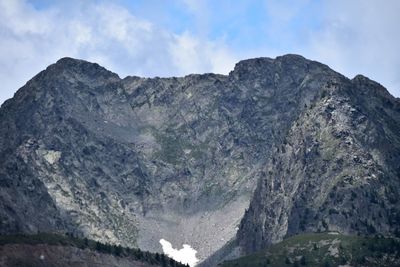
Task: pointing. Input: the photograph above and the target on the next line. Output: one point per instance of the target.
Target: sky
(178, 37)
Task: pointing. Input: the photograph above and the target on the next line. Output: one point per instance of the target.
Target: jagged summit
(71, 61)
(288, 59)
(83, 67)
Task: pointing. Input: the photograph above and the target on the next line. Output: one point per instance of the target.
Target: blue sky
(178, 37)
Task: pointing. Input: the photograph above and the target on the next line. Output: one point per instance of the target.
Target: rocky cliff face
(337, 169)
(134, 160)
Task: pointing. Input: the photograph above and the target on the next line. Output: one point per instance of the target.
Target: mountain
(276, 148)
(338, 169)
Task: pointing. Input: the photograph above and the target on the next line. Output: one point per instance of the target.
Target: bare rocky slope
(134, 160)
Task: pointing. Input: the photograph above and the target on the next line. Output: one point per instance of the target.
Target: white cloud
(192, 55)
(13, 11)
(360, 37)
(103, 32)
(185, 255)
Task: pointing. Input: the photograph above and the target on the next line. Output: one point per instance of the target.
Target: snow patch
(51, 156)
(185, 255)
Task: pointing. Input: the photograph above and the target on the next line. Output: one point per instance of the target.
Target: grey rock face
(134, 160)
(337, 169)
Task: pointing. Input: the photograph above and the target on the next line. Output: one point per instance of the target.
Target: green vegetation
(325, 249)
(69, 240)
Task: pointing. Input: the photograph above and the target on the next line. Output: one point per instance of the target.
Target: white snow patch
(185, 255)
(51, 156)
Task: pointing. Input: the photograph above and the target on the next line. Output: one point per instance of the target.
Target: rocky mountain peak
(83, 67)
(253, 63)
(266, 62)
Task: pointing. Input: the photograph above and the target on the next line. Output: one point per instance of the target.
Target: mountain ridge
(133, 160)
